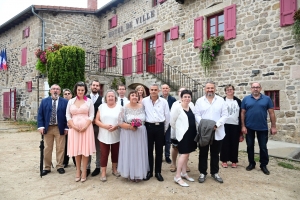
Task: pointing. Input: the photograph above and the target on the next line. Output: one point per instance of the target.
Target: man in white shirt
(157, 122)
(122, 100)
(97, 100)
(211, 107)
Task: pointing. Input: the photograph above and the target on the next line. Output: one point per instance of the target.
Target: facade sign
(141, 20)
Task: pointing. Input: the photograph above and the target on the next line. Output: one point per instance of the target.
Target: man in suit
(166, 95)
(97, 100)
(122, 100)
(52, 123)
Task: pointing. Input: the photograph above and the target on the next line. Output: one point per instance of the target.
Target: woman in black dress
(183, 121)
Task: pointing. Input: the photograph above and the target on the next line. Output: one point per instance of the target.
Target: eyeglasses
(55, 88)
(229, 89)
(67, 93)
(255, 88)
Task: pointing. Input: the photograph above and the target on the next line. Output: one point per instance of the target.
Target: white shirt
(233, 111)
(216, 110)
(159, 112)
(94, 97)
(109, 116)
(125, 101)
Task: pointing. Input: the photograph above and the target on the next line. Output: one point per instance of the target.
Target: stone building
(150, 41)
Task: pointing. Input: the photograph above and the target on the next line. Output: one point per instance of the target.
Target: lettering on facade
(144, 19)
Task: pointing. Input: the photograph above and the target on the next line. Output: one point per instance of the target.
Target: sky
(10, 8)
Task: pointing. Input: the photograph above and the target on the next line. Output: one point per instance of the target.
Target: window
(215, 25)
(25, 33)
(223, 23)
(112, 23)
(274, 95)
(287, 11)
(109, 57)
(167, 36)
(24, 56)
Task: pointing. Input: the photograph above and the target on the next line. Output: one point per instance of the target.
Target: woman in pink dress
(81, 141)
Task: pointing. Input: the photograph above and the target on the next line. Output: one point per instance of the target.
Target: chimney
(92, 4)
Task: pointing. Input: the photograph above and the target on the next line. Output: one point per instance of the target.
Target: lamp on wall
(254, 73)
(182, 34)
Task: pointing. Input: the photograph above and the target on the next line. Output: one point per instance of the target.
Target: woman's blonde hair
(141, 87)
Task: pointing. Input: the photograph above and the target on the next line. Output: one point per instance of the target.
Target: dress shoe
(45, 172)
(149, 175)
(217, 178)
(61, 170)
(250, 167)
(265, 170)
(95, 172)
(66, 165)
(159, 177)
(184, 184)
(168, 160)
(88, 171)
(201, 178)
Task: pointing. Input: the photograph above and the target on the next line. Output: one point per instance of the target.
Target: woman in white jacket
(183, 121)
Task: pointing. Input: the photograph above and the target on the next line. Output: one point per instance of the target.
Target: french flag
(4, 65)
(1, 56)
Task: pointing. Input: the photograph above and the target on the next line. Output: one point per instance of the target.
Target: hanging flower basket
(209, 50)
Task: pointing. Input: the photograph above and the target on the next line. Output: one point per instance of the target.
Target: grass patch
(32, 125)
(288, 165)
(256, 158)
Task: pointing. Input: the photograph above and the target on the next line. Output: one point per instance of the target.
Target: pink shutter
(161, 1)
(139, 52)
(127, 59)
(174, 32)
(159, 39)
(198, 32)
(27, 32)
(230, 22)
(102, 63)
(24, 56)
(114, 21)
(287, 10)
(114, 55)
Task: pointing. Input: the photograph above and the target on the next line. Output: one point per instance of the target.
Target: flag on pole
(4, 65)
(1, 55)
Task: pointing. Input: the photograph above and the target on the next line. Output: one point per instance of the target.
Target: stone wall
(259, 45)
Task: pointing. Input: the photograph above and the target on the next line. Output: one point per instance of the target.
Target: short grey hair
(113, 91)
(210, 82)
(156, 85)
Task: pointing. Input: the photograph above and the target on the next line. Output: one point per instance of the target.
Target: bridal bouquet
(136, 122)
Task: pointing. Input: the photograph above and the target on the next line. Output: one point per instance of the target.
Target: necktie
(122, 103)
(53, 113)
(94, 99)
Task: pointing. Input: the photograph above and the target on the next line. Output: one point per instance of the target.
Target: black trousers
(230, 143)
(156, 136)
(214, 157)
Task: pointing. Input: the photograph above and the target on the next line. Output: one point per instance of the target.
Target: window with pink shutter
(102, 63)
(24, 56)
(174, 32)
(114, 21)
(26, 32)
(287, 10)
(139, 53)
(127, 59)
(230, 22)
(159, 59)
(114, 56)
(215, 25)
(198, 32)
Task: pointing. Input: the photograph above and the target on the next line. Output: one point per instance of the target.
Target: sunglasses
(67, 93)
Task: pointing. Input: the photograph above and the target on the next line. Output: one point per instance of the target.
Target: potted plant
(296, 25)
(41, 61)
(209, 50)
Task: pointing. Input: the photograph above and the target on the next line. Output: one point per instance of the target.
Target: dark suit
(53, 132)
(96, 131)
(170, 100)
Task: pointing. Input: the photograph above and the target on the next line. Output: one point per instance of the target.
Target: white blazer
(179, 121)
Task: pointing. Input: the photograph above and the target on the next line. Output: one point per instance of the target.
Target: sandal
(173, 168)
(117, 174)
(224, 164)
(234, 165)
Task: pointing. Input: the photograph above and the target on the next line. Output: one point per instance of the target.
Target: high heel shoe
(83, 180)
(184, 184)
(77, 179)
(185, 176)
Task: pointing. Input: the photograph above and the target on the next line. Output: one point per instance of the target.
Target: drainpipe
(43, 48)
